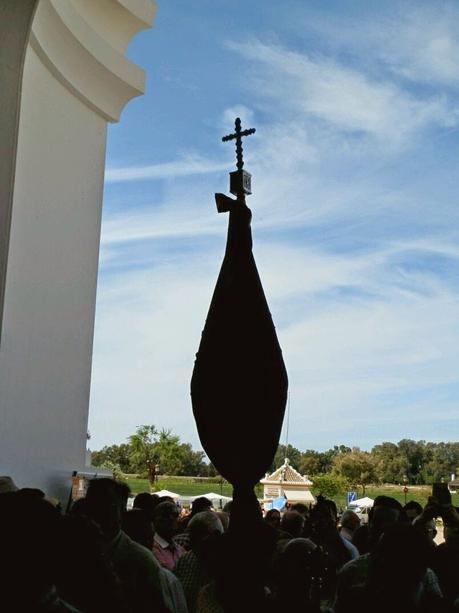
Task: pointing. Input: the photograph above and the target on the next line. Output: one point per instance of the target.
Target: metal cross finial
(238, 134)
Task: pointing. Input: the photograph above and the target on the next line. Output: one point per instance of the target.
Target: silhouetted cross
(238, 134)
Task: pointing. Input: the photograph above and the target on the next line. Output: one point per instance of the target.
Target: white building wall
(48, 319)
(45, 362)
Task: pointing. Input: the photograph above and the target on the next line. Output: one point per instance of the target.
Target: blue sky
(355, 214)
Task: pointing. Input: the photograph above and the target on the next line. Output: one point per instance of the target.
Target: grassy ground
(189, 486)
(420, 493)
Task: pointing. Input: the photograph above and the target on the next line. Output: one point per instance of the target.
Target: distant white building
(287, 482)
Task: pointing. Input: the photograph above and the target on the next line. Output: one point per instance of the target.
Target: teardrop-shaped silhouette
(239, 383)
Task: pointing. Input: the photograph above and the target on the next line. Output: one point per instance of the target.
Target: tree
(415, 454)
(442, 462)
(391, 465)
(117, 454)
(357, 466)
(169, 454)
(192, 461)
(290, 452)
(311, 462)
(144, 453)
(115, 470)
(329, 485)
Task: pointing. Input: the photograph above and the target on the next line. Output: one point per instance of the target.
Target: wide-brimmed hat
(7, 485)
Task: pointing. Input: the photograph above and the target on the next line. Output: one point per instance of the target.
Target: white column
(76, 78)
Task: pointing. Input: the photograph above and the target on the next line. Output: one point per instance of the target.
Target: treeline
(149, 452)
(408, 461)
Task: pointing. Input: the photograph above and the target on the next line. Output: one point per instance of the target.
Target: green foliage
(292, 453)
(144, 455)
(329, 485)
(119, 454)
(391, 464)
(358, 467)
(149, 450)
(115, 470)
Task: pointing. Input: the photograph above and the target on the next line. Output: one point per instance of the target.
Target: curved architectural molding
(82, 43)
(15, 22)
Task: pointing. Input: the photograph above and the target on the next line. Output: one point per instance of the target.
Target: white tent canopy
(212, 496)
(167, 493)
(363, 503)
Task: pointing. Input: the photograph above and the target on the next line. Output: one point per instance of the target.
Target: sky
(355, 214)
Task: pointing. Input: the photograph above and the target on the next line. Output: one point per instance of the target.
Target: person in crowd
(192, 568)
(137, 524)
(85, 576)
(445, 557)
(412, 510)
(291, 525)
(124, 491)
(199, 505)
(323, 530)
(225, 519)
(300, 508)
(394, 577)
(385, 512)
(273, 518)
(29, 555)
(425, 523)
(297, 577)
(139, 527)
(165, 549)
(136, 567)
(350, 522)
(146, 502)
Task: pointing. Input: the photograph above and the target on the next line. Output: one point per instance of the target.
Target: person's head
(29, 550)
(104, 506)
(292, 522)
(350, 521)
(200, 504)
(427, 528)
(273, 518)
(323, 516)
(31, 493)
(400, 559)
(146, 502)
(300, 508)
(451, 523)
(85, 578)
(165, 499)
(412, 509)
(203, 525)
(224, 518)
(138, 526)
(124, 491)
(165, 519)
(293, 571)
(228, 506)
(385, 513)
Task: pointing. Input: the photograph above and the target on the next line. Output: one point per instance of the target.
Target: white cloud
(186, 166)
(417, 42)
(320, 87)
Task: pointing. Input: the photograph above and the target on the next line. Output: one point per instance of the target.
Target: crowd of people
(100, 557)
